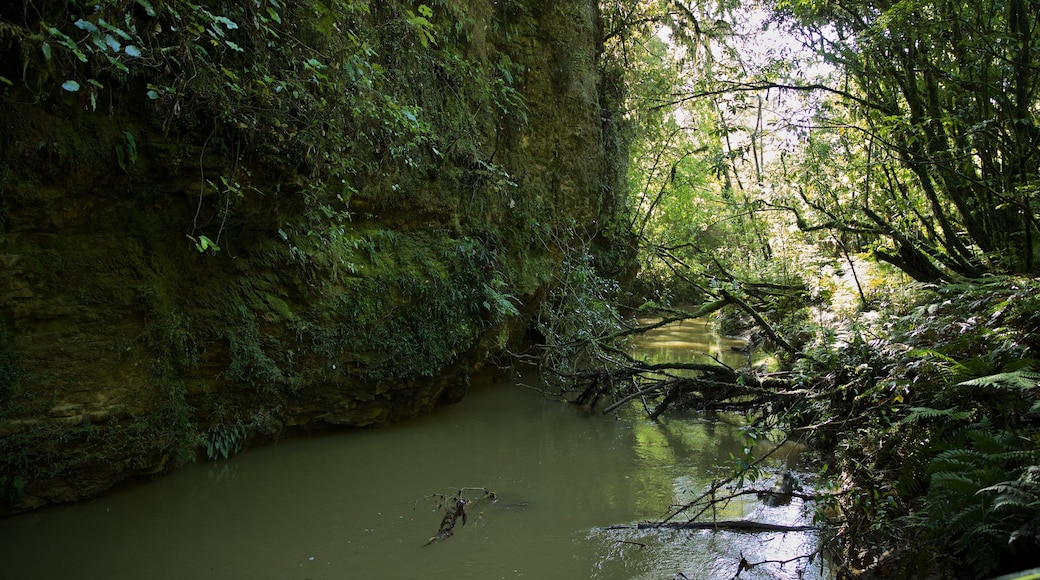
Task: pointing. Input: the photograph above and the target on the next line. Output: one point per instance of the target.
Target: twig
(716, 485)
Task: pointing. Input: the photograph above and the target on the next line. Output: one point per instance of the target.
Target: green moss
(279, 306)
(381, 214)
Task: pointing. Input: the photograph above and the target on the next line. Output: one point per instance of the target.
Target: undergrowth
(931, 418)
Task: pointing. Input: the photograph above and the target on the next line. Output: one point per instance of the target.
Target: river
(364, 503)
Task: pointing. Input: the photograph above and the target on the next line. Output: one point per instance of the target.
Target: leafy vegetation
(852, 187)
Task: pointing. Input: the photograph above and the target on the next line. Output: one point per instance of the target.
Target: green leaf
(84, 25)
(131, 145)
(70, 86)
(274, 15)
(227, 22)
(132, 50)
(46, 49)
(203, 243)
(148, 9)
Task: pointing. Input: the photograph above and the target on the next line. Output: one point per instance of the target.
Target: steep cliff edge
(225, 220)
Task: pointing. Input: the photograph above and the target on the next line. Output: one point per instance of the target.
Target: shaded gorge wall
(221, 223)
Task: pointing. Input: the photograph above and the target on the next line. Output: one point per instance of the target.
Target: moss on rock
(381, 233)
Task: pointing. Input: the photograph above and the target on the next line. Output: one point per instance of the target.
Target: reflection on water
(358, 504)
(690, 341)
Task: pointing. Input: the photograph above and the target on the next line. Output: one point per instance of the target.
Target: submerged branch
(723, 525)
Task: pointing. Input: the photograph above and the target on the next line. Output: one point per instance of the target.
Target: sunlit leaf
(112, 43)
(84, 25)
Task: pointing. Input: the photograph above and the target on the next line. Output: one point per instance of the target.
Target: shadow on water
(363, 504)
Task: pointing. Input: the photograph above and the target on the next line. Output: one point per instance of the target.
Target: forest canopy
(904, 131)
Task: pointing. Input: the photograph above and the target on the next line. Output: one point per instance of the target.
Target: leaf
(148, 9)
(85, 25)
(274, 15)
(204, 243)
(152, 94)
(132, 50)
(131, 145)
(70, 86)
(113, 29)
(46, 49)
(6, 81)
(227, 22)
(122, 67)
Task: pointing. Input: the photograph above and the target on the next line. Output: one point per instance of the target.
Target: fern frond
(962, 522)
(953, 483)
(918, 414)
(1024, 378)
(930, 353)
(1014, 503)
(958, 459)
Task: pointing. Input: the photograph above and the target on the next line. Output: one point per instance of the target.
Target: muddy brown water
(363, 504)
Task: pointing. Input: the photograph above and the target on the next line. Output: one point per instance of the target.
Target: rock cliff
(221, 223)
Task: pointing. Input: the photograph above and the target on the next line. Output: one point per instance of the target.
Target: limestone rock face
(175, 282)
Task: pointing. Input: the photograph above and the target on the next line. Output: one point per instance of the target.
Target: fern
(949, 483)
(918, 414)
(1020, 495)
(983, 491)
(1025, 378)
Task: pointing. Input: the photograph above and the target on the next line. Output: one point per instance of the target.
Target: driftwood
(722, 526)
(455, 507)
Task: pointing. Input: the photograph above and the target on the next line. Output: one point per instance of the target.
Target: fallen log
(723, 525)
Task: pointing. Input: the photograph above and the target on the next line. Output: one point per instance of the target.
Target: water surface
(364, 503)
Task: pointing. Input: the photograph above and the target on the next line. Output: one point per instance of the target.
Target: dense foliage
(858, 182)
(854, 185)
(936, 130)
